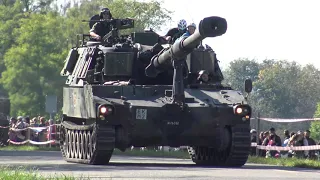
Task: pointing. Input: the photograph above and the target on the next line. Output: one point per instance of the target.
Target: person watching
(190, 30)
(176, 32)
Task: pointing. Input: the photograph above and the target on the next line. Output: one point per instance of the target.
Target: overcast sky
(278, 29)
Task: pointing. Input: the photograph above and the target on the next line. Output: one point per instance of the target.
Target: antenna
(187, 8)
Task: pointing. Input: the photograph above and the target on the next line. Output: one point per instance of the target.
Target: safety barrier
(287, 120)
(27, 129)
(287, 148)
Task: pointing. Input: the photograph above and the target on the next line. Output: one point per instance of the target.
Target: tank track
(86, 144)
(235, 155)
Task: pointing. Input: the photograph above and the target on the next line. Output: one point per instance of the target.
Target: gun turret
(208, 27)
(176, 54)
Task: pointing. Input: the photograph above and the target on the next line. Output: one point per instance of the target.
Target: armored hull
(114, 99)
(142, 117)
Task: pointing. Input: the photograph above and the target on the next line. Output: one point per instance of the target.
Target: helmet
(105, 10)
(192, 25)
(182, 24)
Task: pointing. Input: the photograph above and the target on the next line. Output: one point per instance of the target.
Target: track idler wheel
(88, 144)
(235, 155)
(80, 146)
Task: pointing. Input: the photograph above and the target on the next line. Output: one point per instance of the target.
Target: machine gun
(176, 54)
(115, 25)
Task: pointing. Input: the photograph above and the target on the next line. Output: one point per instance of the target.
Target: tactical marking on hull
(174, 123)
(141, 114)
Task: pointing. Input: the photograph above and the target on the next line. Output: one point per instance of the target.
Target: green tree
(239, 70)
(275, 89)
(315, 125)
(35, 39)
(7, 2)
(307, 90)
(281, 89)
(287, 90)
(29, 5)
(10, 14)
(33, 62)
(146, 14)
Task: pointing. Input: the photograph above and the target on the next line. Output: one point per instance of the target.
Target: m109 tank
(4, 122)
(123, 92)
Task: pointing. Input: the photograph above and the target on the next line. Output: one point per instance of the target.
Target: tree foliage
(33, 61)
(288, 90)
(239, 70)
(315, 125)
(146, 14)
(10, 14)
(281, 89)
(35, 37)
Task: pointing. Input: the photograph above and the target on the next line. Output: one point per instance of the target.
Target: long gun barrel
(208, 27)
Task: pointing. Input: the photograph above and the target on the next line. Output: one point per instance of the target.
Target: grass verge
(173, 154)
(28, 148)
(287, 162)
(14, 173)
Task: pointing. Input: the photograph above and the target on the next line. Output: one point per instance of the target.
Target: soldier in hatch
(100, 29)
(171, 36)
(190, 30)
(176, 32)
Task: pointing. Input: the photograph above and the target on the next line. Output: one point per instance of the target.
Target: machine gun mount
(115, 25)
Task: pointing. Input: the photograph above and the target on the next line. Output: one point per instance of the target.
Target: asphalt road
(145, 168)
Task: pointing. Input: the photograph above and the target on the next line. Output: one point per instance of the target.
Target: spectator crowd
(270, 138)
(36, 129)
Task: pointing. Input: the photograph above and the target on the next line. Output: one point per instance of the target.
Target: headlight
(239, 110)
(242, 110)
(105, 110)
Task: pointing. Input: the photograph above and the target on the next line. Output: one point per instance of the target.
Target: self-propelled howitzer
(126, 92)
